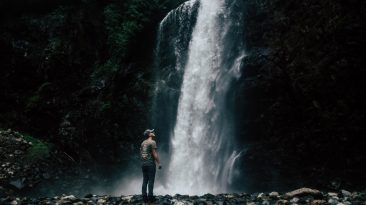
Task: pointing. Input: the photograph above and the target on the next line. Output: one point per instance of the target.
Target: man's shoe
(145, 199)
(152, 199)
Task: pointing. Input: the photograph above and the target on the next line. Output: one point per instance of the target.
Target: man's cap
(148, 131)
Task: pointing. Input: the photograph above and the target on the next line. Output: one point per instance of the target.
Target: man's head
(149, 133)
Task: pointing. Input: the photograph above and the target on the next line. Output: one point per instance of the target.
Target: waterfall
(195, 81)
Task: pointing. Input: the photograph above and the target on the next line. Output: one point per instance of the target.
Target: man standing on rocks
(149, 156)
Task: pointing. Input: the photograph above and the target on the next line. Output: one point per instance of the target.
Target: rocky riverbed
(299, 196)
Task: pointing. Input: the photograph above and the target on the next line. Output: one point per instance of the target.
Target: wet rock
(165, 201)
(209, 196)
(46, 175)
(346, 193)
(294, 200)
(220, 202)
(17, 152)
(265, 202)
(335, 184)
(274, 194)
(200, 201)
(332, 201)
(18, 183)
(332, 194)
(181, 202)
(14, 202)
(127, 198)
(88, 196)
(260, 195)
(332, 198)
(281, 202)
(69, 198)
(303, 192)
(318, 202)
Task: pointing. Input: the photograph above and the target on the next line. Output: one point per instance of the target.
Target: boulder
(18, 183)
(274, 194)
(303, 192)
(69, 198)
(346, 193)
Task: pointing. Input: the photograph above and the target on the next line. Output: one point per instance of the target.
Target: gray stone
(335, 184)
(295, 200)
(18, 152)
(302, 192)
(14, 202)
(346, 193)
(265, 202)
(274, 194)
(88, 195)
(70, 198)
(332, 194)
(332, 201)
(127, 198)
(46, 175)
(18, 183)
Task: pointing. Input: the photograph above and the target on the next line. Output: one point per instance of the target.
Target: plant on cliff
(38, 150)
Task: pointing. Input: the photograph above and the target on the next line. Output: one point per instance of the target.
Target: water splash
(202, 142)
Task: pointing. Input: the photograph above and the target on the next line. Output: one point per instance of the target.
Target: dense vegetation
(77, 73)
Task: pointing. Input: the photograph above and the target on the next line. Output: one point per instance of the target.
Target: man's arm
(155, 155)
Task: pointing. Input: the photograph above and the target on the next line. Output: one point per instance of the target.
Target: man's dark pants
(148, 172)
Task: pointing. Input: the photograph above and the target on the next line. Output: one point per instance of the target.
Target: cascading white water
(199, 57)
(202, 143)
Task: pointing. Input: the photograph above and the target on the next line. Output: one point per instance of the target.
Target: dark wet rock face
(299, 196)
(300, 105)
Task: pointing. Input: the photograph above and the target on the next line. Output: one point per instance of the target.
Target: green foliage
(120, 30)
(124, 22)
(33, 102)
(112, 22)
(39, 149)
(106, 70)
(105, 106)
(36, 99)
